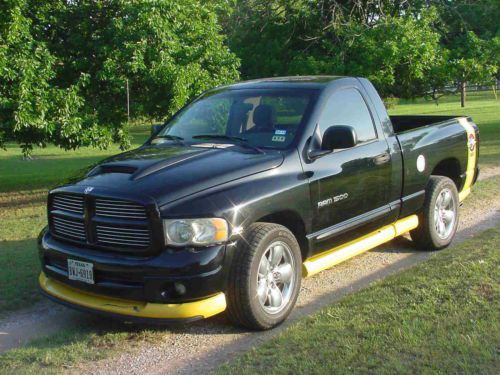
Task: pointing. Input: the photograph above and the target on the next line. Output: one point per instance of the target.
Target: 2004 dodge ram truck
(246, 190)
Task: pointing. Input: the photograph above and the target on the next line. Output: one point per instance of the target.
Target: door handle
(382, 158)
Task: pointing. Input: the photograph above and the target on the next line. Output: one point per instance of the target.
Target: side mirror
(339, 136)
(155, 129)
(335, 137)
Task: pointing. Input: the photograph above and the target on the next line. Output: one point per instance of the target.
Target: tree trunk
(462, 94)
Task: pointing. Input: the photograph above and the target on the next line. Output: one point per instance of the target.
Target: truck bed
(405, 123)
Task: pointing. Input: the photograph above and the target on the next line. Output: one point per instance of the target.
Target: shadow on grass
(22, 199)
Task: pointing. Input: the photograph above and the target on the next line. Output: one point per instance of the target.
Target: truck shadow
(400, 244)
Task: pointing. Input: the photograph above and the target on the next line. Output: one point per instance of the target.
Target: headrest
(264, 116)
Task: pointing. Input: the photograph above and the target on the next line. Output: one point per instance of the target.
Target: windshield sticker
(278, 138)
(280, 132)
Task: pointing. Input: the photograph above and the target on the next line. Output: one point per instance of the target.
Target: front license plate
(81, 271)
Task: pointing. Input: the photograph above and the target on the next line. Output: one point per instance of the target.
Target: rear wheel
(438, 220)
(264, 280)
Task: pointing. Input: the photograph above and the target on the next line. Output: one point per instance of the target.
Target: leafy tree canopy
(73, 59)
(407, 48)
(33, 110)
(66, 66)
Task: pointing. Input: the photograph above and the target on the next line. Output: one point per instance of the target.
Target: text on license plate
(81, 271)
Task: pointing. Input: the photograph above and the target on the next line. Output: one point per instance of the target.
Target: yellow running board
(330, 258)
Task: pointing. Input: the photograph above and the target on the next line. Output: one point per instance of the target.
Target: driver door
(349, 187)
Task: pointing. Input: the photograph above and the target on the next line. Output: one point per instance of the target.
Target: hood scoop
(113, 168)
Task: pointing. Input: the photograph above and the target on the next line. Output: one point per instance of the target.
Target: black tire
(243, 305)
(426, 236)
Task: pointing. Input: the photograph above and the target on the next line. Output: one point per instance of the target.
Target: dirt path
(203, 346)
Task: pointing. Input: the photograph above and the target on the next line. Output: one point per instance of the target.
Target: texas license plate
(81, 271)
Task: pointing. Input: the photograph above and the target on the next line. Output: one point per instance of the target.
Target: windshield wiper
(219, 136)
(240, 141)
(169, 136)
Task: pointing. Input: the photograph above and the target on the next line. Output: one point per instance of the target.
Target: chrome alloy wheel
(445, 213)
(276, 277)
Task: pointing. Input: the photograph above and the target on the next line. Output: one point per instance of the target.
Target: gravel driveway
(202, 346)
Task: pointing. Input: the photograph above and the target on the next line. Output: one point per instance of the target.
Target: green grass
(66, 350)
(51, 165)
(481, 106)
(441, 317)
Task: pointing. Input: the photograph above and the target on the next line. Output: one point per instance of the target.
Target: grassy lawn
(51, 165)
(66, 350)
(441, 317)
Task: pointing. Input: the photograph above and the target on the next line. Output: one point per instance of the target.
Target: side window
(347, 107)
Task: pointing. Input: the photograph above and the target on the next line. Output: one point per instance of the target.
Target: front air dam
(131, 310)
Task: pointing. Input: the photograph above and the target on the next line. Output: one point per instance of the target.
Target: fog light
(180, 288)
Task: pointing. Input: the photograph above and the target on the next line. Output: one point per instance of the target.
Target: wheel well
(449, 168)
(293, 222)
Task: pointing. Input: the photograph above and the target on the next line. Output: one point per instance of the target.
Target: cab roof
(313, 82)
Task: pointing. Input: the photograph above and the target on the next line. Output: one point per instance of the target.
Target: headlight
(183, 232)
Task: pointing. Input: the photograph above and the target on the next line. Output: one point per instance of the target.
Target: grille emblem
(88, 189)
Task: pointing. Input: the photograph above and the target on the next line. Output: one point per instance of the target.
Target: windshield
(254, 118)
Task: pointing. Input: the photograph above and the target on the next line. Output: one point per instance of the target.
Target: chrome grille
(134, 237)
(108, 223)
(68, 202)
(69, 228)
(120, 209)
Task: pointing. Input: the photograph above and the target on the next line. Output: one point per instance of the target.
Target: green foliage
(404, 47)
(397, 55)
(471, 59)
(33, 110)
(64, 66)
(170, 52)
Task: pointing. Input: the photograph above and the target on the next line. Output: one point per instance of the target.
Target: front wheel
(438, 220)
(265, 276)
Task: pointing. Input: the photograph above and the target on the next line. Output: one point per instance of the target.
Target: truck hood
(167, 173)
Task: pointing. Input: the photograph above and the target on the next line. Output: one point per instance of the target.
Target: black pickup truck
(246, 190)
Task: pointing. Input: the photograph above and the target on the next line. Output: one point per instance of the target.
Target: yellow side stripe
(204, 308)
(341, 253)
(471, 159)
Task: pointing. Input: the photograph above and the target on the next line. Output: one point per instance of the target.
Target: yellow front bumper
(132, 309)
